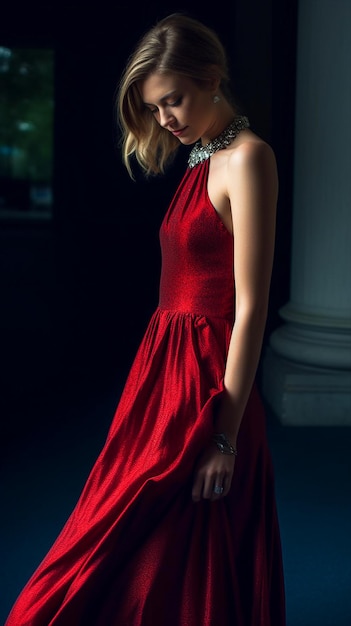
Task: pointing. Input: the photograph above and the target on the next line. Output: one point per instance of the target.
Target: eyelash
(176, 103)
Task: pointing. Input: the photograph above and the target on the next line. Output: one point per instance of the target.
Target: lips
(178, 132)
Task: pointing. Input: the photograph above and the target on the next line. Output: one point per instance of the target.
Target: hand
(213, 469)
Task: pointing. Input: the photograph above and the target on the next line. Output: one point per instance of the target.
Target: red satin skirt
(136, 550)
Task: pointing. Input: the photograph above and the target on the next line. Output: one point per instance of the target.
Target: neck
(200, 153)
(225, 114)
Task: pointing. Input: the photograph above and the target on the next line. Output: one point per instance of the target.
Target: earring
(216, 99)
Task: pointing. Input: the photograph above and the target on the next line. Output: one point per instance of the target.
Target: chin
(186, 141)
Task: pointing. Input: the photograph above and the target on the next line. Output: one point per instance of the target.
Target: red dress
(136, 550)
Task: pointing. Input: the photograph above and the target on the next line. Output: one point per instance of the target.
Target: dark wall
(96, 266)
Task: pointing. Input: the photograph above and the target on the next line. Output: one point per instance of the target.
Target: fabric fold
(136, 550)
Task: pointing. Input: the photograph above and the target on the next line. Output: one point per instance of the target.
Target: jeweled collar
(201, 153)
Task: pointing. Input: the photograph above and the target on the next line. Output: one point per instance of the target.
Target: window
(26, 133)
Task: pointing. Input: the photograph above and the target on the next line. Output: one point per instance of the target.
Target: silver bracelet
(223, 445)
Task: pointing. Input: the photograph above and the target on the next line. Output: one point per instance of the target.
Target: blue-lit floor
(44, 471)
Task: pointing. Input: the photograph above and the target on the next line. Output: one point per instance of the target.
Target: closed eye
(176, 103)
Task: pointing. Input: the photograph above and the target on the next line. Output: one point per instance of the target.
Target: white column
(307, 369)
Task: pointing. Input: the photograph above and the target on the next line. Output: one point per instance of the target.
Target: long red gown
(136, 550)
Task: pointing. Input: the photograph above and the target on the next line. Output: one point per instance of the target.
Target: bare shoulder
(245, 174)
(251, 176)
(252, 155)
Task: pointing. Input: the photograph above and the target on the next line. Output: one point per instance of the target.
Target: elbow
(253, 314)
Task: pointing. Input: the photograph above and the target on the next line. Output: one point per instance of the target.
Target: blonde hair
(177, 44)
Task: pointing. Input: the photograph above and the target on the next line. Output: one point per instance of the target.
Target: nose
(166, 117)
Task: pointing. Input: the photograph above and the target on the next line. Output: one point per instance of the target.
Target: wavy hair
(177, 44)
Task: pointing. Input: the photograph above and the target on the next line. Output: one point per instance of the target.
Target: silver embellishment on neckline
(200, 153)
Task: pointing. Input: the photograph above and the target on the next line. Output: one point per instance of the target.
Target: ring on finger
(218, 490)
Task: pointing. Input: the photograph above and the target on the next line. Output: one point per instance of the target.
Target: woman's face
(180, 105)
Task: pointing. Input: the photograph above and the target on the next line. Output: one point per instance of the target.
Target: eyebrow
(168, 95)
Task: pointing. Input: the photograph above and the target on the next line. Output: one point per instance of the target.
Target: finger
(209, 484)
(197, 489)
(221, 486)
(217, 492)
(217, 487)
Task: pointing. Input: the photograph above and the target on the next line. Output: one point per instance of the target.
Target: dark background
(77, 292)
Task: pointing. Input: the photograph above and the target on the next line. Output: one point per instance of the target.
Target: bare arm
(252, 190)
(253, 195)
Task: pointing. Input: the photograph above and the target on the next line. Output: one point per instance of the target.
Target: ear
(213, 82)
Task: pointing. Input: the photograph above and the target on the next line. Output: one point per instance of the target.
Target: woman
(177, 525)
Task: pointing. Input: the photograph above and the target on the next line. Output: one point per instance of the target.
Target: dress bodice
(197, 252)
